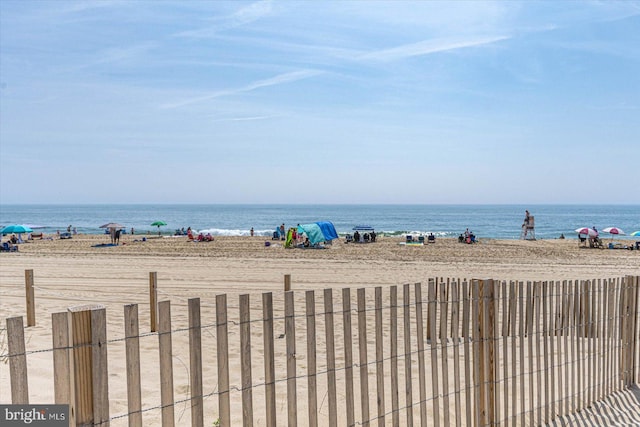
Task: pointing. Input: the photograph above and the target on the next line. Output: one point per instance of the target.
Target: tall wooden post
(153, 300)
(287, 282)
(17, 361)
(30, 296)
(89, 359)
(487, 352)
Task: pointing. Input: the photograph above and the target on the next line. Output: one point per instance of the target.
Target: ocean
(486, 221)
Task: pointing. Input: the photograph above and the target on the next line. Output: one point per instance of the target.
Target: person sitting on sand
(307, 243)
(13, 239)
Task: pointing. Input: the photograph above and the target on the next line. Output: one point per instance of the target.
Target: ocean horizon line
(315, 204)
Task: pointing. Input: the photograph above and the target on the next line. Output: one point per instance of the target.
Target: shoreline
(72, 272)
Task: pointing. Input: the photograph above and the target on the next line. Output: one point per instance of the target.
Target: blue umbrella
(15, 229)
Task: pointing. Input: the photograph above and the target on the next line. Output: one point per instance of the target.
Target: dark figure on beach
(117, 238)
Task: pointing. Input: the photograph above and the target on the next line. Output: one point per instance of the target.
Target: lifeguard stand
(528, 230)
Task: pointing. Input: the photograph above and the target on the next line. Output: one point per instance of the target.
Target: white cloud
(276, 80)
(430, 46)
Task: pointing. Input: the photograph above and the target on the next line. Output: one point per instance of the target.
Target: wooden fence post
(153, 300)
(331, 358)
(487, 353)
(195, 362)
(245, 361)
(312, 386)
(287, 282)
(224, 404)
(636, 329)
(393, 351)
(165, 349)
(406, 312)
(269, 359)
(30, 297)
(290, 337)
(363, 359)
(132, 346)
(89, 360)
(422, 383)
(17, 361)
(379, 357)
(61, 353)
(348, 356)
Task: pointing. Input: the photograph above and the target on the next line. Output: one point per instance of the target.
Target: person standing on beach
(251, 231)
(117, 241)
(282, 235)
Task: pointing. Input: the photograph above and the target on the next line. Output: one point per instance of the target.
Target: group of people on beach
(467, 237)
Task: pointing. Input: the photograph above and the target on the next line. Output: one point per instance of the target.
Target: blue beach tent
(322, 231)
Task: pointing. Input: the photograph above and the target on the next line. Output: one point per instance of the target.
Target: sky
(419, 102)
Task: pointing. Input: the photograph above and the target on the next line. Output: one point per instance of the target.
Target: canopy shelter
(361, 234)
(318, 232)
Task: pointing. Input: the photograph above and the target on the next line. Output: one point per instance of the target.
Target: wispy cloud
(429, 46)
(241, 17)
(245, 119)
(273, 81)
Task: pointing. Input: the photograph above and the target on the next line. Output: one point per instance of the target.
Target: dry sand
(73, 272)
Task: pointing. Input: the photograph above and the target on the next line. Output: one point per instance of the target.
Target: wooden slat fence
(451, 352)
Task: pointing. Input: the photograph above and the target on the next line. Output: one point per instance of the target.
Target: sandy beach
(74, 272)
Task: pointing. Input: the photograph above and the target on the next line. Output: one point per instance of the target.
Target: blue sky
(319, 102)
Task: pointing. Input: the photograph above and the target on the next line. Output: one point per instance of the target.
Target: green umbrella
(158, 224)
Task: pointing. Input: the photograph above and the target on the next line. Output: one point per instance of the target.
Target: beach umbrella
(588, 231)
(613, 230)
(158, 224)
(635, 233)
(112, 225)
(16, 229)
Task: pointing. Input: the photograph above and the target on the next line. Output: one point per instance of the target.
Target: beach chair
(596, 243)
(7, 248)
